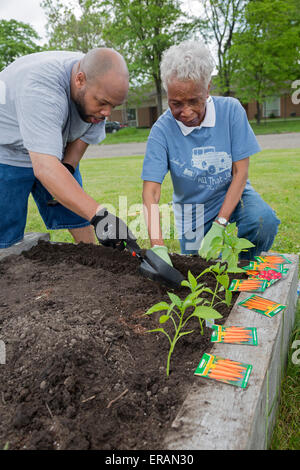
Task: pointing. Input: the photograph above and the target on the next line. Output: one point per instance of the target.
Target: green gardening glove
(162, 252)
(212, 243)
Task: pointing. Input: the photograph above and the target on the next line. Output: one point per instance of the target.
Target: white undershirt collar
(208, 121)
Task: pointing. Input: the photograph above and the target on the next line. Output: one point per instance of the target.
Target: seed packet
(249, 285)
(257, 266)
(252, 266)
(280, 259)
(259, 304)
(270, 275)
(234, 335)
(224, 370)
(252, 272)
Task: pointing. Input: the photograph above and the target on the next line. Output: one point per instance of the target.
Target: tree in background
(266, 53)
(216, 22)
(139, 29)
(16, 39)
(142, 30)
(82, 31)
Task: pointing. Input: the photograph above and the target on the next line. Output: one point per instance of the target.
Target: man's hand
(110, 230)
(214, 236)
(162, 252)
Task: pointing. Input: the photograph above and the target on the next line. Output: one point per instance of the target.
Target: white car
(207, 159)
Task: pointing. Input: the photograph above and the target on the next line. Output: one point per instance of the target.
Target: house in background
(276, 107)
(142, 111)
(139, 111)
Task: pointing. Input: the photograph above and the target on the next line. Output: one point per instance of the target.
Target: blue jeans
(16, 184)
(255, 219)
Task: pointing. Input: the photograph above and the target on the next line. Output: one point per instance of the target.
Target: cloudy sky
(29, 11)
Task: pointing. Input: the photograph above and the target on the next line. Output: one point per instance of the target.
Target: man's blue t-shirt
(200, 163)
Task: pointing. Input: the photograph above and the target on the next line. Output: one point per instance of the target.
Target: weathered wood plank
(220, 416)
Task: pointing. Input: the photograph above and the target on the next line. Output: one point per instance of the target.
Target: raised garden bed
(81, 370)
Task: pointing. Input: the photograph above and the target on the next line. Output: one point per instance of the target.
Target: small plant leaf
(206, 313)
(156, 330)
(160, 330)
(171, 306)
(185, 333)
(185, 283)
(192, 296)
(235, 269)
(232, 262)
(243, 243)
(216, 268)
(228, 297)
(207, 289)
(231, 228)
(205, 271)
(199, 301)
(226, 252)
(175, 299)
(223, 268)
(157, 308)
(188, 303)
(224, 280)
(163, 318)
(192, 280)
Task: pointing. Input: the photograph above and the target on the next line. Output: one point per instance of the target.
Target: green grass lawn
(269, 126)
(274, 174)
(126, 135)
(286, 435)
(276, 126)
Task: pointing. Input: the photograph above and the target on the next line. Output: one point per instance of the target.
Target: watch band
(222, 221)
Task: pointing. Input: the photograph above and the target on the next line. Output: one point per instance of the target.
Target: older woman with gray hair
(205, 142)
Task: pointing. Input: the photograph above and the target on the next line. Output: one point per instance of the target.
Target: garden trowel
(153, 267)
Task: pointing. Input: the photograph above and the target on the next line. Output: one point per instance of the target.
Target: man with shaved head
(54, 105)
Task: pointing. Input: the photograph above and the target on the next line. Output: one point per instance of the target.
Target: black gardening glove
(110, 230)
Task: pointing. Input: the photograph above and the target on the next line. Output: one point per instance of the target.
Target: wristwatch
(222, 221)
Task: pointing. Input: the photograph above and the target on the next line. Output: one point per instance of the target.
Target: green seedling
(230, 246)
(179, 312)
(219, 271)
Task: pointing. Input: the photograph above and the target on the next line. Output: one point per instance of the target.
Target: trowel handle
(133, 248)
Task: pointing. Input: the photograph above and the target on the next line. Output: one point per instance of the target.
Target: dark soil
(81, 371)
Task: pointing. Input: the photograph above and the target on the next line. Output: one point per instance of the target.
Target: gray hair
(189, 60)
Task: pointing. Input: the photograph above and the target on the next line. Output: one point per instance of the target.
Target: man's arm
(74, 152)
(236, 188)
(62, 186)
(151, 197)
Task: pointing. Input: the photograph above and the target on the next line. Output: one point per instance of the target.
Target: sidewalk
(267, 142)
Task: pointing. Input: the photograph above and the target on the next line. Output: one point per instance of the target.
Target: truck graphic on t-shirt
(207, 159)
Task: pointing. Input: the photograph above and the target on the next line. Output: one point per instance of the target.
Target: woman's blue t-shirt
(200, 163)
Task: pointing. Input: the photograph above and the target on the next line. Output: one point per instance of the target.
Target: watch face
(222, 220)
